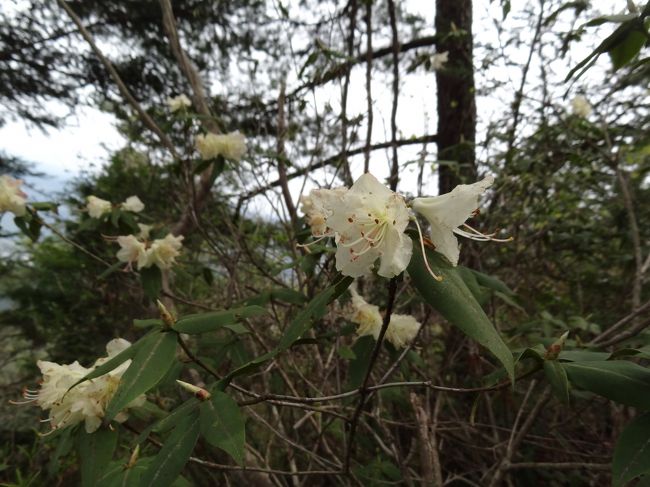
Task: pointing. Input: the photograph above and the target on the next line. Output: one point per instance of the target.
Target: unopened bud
(134, 457)
(168, 318)
(556, 347)
(196, 391)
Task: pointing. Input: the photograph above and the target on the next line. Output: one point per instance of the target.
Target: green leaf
(632, 451)
(347, 353)
(150, 364)
(110, 270)
(455, 302)
(621, 381)
(205, 322)
(223, 425)
(315, 310)
(45, 206)
(362, 350)
(147, 323)
(151, 279)
(623, 52)
(29, 226)
(112, 363)
(492, 282)
(95, 452)
(557, 377)
(173, 456)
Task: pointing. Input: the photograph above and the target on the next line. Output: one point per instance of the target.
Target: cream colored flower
(439, 59)
(131, 250)
(133, 203)
(580, 106)
(178, 102)
(85, 402)
(369, 221)
(145, 230)
(163, 252)
(231, 146)
(11, 197)
(317, 207)
(447, 212)
(402, 329)
(97, 207)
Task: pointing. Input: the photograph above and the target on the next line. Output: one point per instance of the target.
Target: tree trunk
(455, 92)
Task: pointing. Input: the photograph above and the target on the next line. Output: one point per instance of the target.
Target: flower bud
(556, 347)
(168, 318)
(198, 392)
(134, 457)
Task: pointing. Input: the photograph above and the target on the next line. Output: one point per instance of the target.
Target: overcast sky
(90, 135)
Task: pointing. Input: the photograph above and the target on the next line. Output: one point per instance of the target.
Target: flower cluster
(401, 330)
(138, 249)
(179, 102)
(97, 207)
(231, 146)
(368, 222)
(11, 197)
(85, 402)
(581, 106)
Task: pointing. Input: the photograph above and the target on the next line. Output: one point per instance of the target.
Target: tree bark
(455, 94)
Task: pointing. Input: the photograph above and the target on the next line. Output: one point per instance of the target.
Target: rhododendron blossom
(401, 330)
(133, 203)
(132, 250)
(317, 207)
(580, 106)
(439, 59)
(163, 252)
(97, 207)
(11, 197)
(231, 146)
(369, 221)
(178, 102)
(87, 401)
(447, 212)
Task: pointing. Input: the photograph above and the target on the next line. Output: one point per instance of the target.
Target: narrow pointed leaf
(168, 464)
(223, 425)
(95, 452)
(557, 377)
(621, 381)
(149, 365)
(206, 322)
(452, 298)
(632, 452)
(112, 363)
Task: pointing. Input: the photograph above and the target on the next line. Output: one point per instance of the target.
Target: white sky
(90, 136)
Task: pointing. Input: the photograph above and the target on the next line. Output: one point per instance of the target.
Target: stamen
(314, 241)
(424, 254)
(19, 403)
(481, 237)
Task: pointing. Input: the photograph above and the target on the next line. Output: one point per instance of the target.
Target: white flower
(131, 250)
(133, 203)
(369, 221)
(97, 207)
(580, 106)
(178, 102)
(145, 230)
(365, 315)
(11, 197)
(401, 330)
(447, 212)
(439, 59)
(87, 401)
(317, 207)
(231, 146)
(163, 252)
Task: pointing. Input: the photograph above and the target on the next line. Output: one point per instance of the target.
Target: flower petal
(398, 249)
(452, 209)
